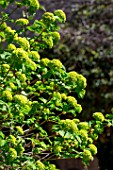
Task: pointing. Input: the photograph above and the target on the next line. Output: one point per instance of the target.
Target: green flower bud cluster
(72, 101)
(11, 47)
(69, 125)
(7, 95)
(57, 96)
(84, 134)
(5, 67)
(77, 78)
(40, 165)
(12, 139)
(34, 55)
(10, 33)
(83, 125)
(48, 40)
(55, 36)
(93, 149)
(20, 99)
(20, 130)
(63, 95)
(48, 17)
(12, 86)
(3, 25)
(87, 156)
(45, 62)
(22, 21)
(98, 116)
(23, 42)
(61, 15)
(20, 76)
(56, 63)
(12, 154)
(34, 4)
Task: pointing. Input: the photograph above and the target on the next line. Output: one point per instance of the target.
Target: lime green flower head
(99, 116)
(52, 167)
(93, 149)
(82, 81)
(7, 95)
(35, 55)
(48, 40)
(20, 130)
(84, 134)
(45, 61)
(87, 155)
(12, 139)
(61, 15)
(20, 54)
(48, 17)
(72, 101)
(12, 154)
(56, 63)
(12, 86)
(22, 21)
(69, 125)
(34, 4)
(3, 25)
(5, 67)
(63, 95)
(40, 165)
(55, 36)
(73, 76)
(57, 96)
(23, 42)
(20, 99)
(83, 125)
(20, 76)
(11, 47)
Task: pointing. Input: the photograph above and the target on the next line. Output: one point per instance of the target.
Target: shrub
(36, 96)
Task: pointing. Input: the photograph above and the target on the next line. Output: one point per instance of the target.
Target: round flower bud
(45, 61)
(83, 125)
(56, 63)
(56, 96)
(34, 4)
(72, 101)
(55, 36)
(12, 154)
(20, 99)
(40, 165)
(20, 76)
(48, 17)
(93, 149)
(82, 81)
(69, 125)
(98, 116)
(61, 15)
(20, 54)
(63, 95)
(20, 130)
(12, 139)
(7, 95)
(23, 42)
(83, 133)
(11, 47)
(73, 76)
(12, 86)
(22, 21)
(35, 55)
(87, 156)
(3, 25)
(48, 40)
(5, 67)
